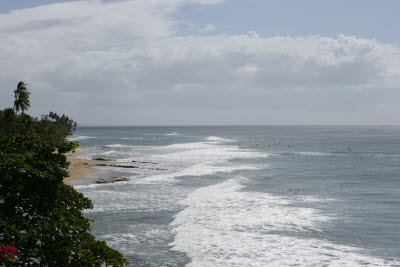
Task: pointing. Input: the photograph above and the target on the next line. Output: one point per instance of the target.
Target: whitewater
(247, 196)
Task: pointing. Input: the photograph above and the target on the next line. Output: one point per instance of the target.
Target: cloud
(208, 28)
(125, 62)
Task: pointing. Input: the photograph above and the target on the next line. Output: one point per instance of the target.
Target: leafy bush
(39, 214)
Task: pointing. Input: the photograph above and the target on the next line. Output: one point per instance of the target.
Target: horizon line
(245, 125)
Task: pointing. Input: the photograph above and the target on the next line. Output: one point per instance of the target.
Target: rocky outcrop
(116, 165)
(111, 180)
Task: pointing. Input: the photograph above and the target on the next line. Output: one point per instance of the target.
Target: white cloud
(208, 28)
(103, 62)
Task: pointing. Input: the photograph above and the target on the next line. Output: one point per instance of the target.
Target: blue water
(247, 196)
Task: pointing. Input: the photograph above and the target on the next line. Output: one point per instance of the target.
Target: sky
(204, 62)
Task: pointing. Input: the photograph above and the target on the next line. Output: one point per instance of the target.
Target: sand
(80, 168)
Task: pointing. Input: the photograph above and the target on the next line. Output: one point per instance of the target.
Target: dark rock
(121, 179)
(112, 180)
(156, 169)
(123, 166)
(101, 181)
(117, 165)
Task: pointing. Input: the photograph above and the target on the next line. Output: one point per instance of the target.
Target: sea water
(247, 196)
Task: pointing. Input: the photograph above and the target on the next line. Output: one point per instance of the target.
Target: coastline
(79, 168)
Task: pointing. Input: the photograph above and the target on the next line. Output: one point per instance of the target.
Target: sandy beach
(78, 168)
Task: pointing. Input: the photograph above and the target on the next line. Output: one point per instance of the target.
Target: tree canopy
(21, 98)
(40, 215)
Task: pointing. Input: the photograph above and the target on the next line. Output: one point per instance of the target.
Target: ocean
(247, 195)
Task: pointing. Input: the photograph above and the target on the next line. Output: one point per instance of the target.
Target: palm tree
(21, 98)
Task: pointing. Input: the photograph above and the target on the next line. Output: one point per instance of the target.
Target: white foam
(199, 169)
(84, 157)
(196, 159)
(75, 138)
(186, 159)
(141, 197)
(208, 169)
(209, 152)
(118, 145)
(110, 152)
(183, 146)
(89, 186)
(224, 226)
(180, 146)
(188, 154)
(124, 241)
(219, 139)
(173, 133)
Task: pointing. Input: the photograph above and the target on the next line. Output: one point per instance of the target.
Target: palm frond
(21, 97)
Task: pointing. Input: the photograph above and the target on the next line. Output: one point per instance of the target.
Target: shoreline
(79, 168)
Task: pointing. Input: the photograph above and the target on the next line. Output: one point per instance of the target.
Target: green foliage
(50, 128)
(39, 214)
(8, 121)
(21, 98)
(55, 127)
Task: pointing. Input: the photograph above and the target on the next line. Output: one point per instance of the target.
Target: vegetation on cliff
(40, 215)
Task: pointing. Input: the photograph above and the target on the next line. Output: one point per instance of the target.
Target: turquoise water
(248, 196)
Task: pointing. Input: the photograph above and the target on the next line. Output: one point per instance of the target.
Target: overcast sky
(204, 62)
